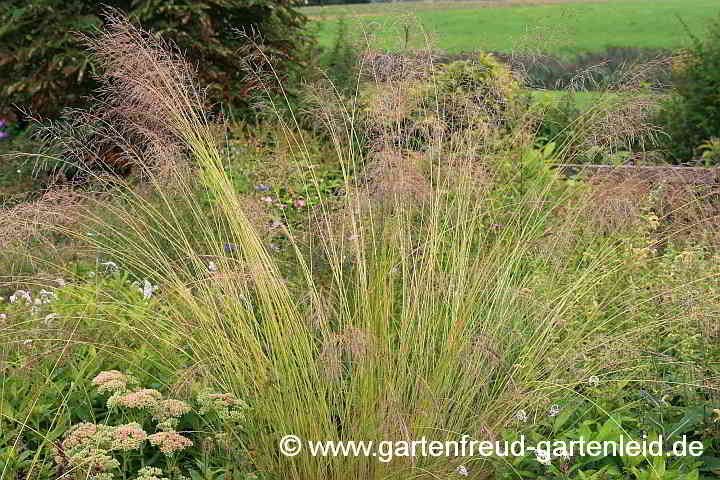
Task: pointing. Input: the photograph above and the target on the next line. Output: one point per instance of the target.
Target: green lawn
(564, 28)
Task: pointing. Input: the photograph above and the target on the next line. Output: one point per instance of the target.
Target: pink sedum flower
(96, 460)
(113, 381)
(86, 434)
(128, 437)
(170, 408)
(170, 442)
(144, 398)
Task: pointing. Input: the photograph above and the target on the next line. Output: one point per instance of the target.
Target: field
(558, 27)
(391, 260)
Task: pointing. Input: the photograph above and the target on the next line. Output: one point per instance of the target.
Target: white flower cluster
(43, 298)
(147, 288)
(521, 416)
(21, 294)
(545, 457)
(110, 267)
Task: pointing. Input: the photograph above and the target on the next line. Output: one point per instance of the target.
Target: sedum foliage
(45, 68)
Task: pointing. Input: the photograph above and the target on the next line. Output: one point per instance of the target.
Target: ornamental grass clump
(440, 317)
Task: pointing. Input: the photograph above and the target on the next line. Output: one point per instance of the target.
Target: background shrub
(593, 70)
(45, 68)
(419, 100)
(692, 115)
(340, 62)
(558, 120)
(484, 81)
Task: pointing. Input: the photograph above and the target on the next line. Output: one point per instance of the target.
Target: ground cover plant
(410, 267)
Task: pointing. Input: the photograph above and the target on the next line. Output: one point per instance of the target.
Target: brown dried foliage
(393, 178)
(35, 219)
(133, 119)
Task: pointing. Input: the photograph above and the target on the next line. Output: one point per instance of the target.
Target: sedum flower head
(150, 473)
(169, 442)
(128, 437)
(168, 410)
(171, 408)
(94, 460)
(145, 398)
(87, 447)
(84, 435)
(113, 381)
(226, 405)
(169, 425)
(102, 476)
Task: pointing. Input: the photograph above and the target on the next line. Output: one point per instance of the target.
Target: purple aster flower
(230, 247)
(4, 134)
(262, 188)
